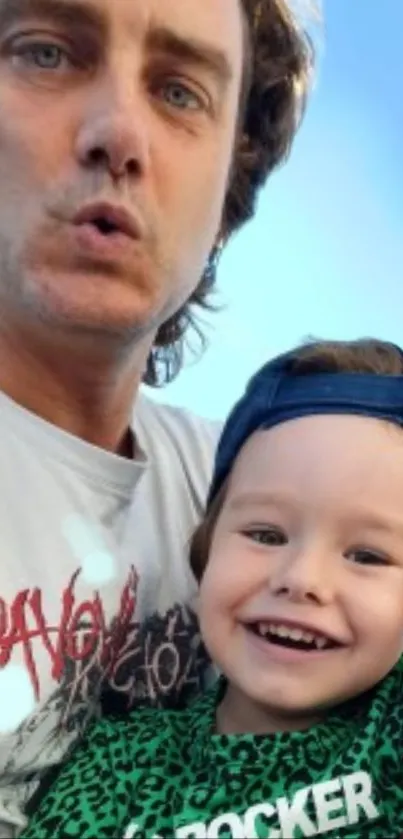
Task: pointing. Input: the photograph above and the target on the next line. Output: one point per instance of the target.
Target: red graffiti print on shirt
(81, 633)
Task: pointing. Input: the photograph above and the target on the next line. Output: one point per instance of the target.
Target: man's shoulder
(180, 449)
(175, 420)
(190, 438)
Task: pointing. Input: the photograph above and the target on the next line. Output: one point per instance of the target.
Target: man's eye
(366, 556)
(266, 535)
(43, 56)
(179, 96)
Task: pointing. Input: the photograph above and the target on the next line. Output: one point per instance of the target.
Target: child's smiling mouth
(291, 636)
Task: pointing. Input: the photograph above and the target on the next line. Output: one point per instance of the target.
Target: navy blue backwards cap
(276, 394)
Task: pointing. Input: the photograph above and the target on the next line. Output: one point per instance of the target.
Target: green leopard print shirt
(166, 774)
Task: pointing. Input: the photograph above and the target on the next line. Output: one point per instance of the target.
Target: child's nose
(305, 575)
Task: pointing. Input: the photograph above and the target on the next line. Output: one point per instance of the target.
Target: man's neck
(83, 392)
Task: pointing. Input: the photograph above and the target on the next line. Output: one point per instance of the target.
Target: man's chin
(91, 306)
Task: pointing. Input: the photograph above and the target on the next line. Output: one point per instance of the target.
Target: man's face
(302, 598)
(125, 110)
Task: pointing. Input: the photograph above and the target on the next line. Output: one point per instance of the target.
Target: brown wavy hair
(366, 355)
(279, 59)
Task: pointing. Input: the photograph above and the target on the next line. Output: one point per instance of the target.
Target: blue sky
(324, 254)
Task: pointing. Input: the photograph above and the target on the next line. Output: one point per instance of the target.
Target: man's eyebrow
(192, 50)
(72, 13)
(161, 39)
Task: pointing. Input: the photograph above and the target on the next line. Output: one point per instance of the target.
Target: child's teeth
(300, 635)
(287, 632)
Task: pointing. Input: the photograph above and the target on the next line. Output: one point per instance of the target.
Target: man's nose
(306, 575)
(114, 131)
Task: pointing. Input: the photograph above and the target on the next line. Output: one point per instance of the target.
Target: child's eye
(366, 556)
(266, 535)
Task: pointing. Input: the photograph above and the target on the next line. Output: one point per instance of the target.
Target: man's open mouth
(105, 226)
(109, 219)
(293, 638)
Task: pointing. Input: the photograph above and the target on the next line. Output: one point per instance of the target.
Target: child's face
(311, 533)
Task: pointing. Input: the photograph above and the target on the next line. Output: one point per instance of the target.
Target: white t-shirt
(92, 546)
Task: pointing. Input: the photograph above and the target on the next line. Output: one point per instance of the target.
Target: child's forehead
(333, 452)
